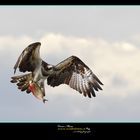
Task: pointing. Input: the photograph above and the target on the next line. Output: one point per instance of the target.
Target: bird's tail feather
(24, 84)
(22, 81)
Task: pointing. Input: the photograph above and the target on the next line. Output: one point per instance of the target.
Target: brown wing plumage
(77, 75)
(29, 58)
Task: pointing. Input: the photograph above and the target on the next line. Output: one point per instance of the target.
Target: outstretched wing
(29, 58)
(77, 75)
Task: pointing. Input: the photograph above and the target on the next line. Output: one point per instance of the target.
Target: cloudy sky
(106, 38)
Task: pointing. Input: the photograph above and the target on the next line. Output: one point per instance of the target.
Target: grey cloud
(119, 81)
(112, 23)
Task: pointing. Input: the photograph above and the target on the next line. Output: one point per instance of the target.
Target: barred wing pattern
(73, 72)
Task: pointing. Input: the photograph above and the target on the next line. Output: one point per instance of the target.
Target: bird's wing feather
(29, 58)
(75, 73)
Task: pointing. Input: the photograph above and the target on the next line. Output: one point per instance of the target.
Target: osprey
(72, 71)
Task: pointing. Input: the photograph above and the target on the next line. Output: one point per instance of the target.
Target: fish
(37, 91)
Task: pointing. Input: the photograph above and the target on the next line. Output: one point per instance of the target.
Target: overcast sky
(106, 38)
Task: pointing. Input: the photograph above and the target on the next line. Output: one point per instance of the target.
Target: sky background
(106, 38)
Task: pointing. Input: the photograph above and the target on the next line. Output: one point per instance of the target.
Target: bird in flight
(71, 71)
